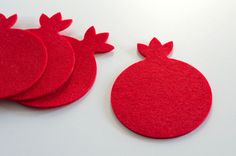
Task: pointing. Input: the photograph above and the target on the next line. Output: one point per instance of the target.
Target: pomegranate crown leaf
(55, 23)
(155, 48)
(7, 23)
(97, 42)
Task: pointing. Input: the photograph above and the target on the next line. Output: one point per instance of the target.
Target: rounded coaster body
(23, 59)
(83, 75)
(161, 98)
(60, 65)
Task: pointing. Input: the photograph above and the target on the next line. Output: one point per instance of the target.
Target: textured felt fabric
(161, 97)
(84, 72)
(23, 58)
(61, 57)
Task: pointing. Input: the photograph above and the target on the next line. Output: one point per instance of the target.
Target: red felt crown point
(155, 49)
(55, 23)
(6, 23)
(97, 42)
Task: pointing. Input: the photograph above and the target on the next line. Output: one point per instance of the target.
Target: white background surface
(204, 35)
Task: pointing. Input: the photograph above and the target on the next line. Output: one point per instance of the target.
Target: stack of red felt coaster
(41, 68)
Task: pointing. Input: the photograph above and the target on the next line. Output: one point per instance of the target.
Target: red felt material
(161, 97)
(84, 72)
(23, 58)
(61, 57)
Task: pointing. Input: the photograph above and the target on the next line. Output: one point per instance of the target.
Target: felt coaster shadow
(161, 97)
(61, 57)
(23, 58)
(84, 72)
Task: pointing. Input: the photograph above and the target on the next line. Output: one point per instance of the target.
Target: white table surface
(204, 35)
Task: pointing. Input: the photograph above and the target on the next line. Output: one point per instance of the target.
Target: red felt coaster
(161, 97)
(23, 58)
(84, 72)
(61, 57)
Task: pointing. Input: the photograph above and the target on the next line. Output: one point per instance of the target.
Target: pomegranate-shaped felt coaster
(161, 97)
(23, 58)
(61, 57)
(84, 72)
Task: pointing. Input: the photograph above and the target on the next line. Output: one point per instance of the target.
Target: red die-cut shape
(23, 58)
(161, 97)
(84, 72)
(61, 57)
